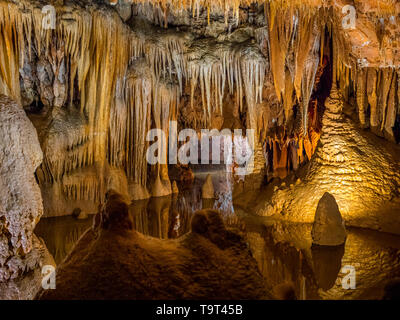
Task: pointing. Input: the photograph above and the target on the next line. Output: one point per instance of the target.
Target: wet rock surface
(108, 262)
(284, 252)
(328, 227)
(360, 170)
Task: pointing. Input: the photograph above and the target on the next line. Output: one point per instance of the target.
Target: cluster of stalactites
(378, 97)
(284, 154)
(296, 45)
(158, 10)
(290, 46)
(237, 70)
(99, 68)
(141, 99)
(85, 187)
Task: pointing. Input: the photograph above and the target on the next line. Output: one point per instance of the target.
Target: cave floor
(284, 252)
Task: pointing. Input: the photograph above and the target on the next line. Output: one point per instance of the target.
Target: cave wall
(22, 254)
(96, 84)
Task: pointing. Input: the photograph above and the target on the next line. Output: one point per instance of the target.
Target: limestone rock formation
(107, 262)
(124, 9)
(207, 191)
(248, 64)
(138, 192)
(21, 207)
(360, 170)
(328, 228)
(161, 188)
(20, 200)
(175, 189)
(27, 285)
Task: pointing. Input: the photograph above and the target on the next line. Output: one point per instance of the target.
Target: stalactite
(361, 96)
(122, 88)
(280, 36)
(138, 99)
(387, 79)
(307, 84)
(390, 115)
(165, 107)
(372, 95)
(82, 188)
(288, 101)
(253, 70)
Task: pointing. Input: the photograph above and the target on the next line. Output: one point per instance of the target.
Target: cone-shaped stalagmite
(161, 188)
(207, 190)
(175, 189)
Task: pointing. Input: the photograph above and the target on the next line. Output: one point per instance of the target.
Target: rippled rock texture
(20, 203)
(328, 227)
(361, 171)
(113, 261)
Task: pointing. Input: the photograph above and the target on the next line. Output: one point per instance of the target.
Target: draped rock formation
(96, 84)
(20, 202)
(360, 170)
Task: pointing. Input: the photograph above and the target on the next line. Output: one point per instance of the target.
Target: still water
(284, 251)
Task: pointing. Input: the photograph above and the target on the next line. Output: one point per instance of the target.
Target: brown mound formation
(113, 261)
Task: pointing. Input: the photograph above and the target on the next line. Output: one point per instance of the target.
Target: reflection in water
(327, 262)
(285, 254)
(169, 217)
(284, 251)
(61, 233)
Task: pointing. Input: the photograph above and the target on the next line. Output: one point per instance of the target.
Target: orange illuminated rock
(328, 228)
(207, 190)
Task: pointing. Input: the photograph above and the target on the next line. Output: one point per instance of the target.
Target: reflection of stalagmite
(207, 190)
(225, 268)
(327, 263)
(285, 254)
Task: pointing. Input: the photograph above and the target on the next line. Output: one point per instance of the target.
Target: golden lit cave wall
(118, 96)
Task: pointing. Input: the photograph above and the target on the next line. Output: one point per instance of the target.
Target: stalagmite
(175, 189)
(207, 190)
(160, 188)
(328, 228)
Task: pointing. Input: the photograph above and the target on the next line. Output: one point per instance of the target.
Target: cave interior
(308, 92)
